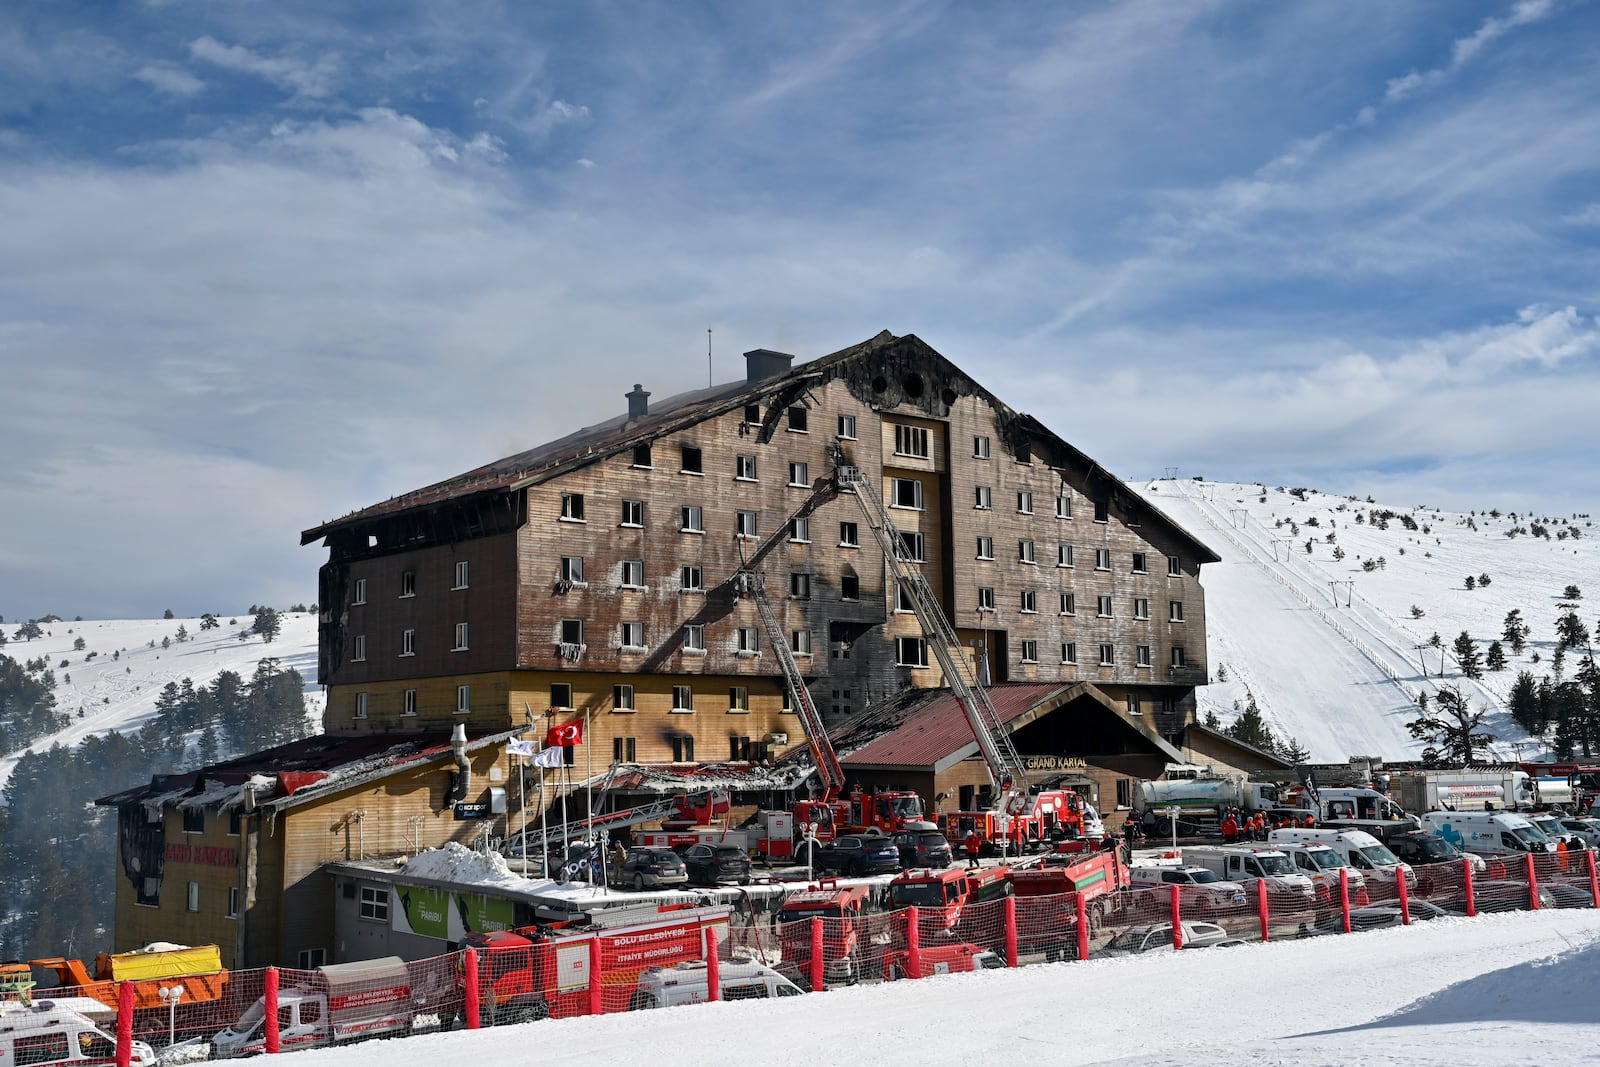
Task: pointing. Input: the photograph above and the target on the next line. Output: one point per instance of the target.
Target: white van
(1359, 848)
(1205, 883)
(48, 1033)
(665, 987)
(1321, 864)
(1245, 865)
(1497, 832)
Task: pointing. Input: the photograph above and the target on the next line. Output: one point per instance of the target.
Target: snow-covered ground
(1498, 989)
(1329, 650)
(120, 693)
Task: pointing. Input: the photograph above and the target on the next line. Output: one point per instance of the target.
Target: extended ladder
(830, 773)
(994, 741)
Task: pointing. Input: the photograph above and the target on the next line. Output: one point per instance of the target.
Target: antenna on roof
(708, 358)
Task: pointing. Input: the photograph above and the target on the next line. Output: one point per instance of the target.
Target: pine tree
(1292, 751)
(1515, 631)
(1496, 658)
(1467, 656)
(1250, 728)
(1471, 581)
(1571, 592)
(1455, 732)
(208, 621)
(267, 624)
(1570, 631)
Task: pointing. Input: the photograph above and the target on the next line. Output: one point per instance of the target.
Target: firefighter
(1230, 829)
(974, 846)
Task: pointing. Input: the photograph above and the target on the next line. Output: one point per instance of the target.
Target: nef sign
(203, 855)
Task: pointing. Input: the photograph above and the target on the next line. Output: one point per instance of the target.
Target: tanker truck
(1464, 790)
(1198, 803)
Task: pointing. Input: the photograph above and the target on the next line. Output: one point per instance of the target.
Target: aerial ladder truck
(832, 812)
(1017, 814)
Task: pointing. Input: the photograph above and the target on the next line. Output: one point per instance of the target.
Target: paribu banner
(446, 915)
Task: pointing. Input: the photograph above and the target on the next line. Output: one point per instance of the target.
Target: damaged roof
(928, 728)
(594, 443)
(297, 772)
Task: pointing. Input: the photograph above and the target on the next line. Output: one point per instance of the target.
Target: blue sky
(267, 262)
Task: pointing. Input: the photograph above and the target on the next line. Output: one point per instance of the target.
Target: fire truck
(534, 972)
(1047, 896)
(1039, 817)
(947, 892)
(841, 908)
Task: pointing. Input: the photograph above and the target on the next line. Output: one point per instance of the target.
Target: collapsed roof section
(885, 371)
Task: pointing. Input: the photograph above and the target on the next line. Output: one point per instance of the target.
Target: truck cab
(46, 1032)
(949, 890)
(841, 909)
(1246, 866)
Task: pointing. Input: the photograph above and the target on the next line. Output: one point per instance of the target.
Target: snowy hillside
(116, 687)
(1329, 649)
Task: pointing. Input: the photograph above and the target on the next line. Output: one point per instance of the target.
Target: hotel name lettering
(1053, 763)
(205, 855)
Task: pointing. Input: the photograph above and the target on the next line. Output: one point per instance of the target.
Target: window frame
(1025, 552)
(682, 700)
(358, 648)
(1141, 563)
(408, 642)
(903, 642)
(853, 531)
(1028, 602)
(1102, 559)
(632, 569)
(463, 700)
(1174, 611)
(1108, 655)
(982, 498)
(1024, 501)
(572, 508)
(408, 702)
(1069, 653)
(691, 578)
(1069, 604)
(691, 460)
(691, 519)
(1105, 606)
(986, 598)
(1030, 650)
(461, 574)
(744, 468)
(895, 495)
(694, 638)
(985, 543)
(461, 638)
(629, 630)
(980, 446)
(908, 439)
(847, 428)
(623, 698)
(799, 474)
(372, 903)
(800, 530)
(632, 515)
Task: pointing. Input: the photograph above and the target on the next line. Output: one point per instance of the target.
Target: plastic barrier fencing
(758, 957)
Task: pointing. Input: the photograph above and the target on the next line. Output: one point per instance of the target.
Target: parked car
(1587, 829)
(1377, 916)
(859, 854)
(714, 864)
(1157, 937)
(1568, 895)
(1505, 895)
(649, 867)
(923, 848)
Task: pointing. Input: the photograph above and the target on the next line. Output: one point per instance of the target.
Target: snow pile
(460, 865)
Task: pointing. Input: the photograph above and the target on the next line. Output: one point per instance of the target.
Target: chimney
(763, 363)
(638, 402)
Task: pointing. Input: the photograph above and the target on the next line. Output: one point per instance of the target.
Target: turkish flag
(566, 734)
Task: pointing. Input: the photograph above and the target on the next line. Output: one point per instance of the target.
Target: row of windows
(1028, 603)
(747, 638)
(408, 584)
(913, 652)
(408, 702)
(408, 643)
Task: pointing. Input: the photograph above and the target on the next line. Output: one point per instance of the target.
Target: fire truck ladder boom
(994, 741)
(748, 582)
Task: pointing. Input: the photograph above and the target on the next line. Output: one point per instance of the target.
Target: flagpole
(544, 822)
(522, 802)
(588, 777)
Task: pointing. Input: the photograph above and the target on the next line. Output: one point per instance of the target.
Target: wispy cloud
(1465, 49)
(313, 79)
(170, 79)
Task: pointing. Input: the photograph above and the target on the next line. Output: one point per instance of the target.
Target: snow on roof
(454, 862)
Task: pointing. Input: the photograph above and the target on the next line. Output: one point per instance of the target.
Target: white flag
(519, 747)
(550, 757)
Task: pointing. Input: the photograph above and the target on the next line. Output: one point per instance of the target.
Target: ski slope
(1495, 990)
(1331, 652)
(120, 694)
